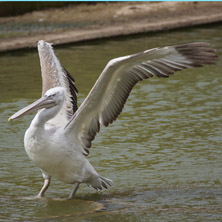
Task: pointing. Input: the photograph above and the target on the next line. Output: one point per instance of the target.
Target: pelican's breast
(36, 143)
(53, 153)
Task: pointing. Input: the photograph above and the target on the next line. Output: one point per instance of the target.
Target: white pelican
(60, 135)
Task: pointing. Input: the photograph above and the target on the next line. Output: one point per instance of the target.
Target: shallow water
(163, 154)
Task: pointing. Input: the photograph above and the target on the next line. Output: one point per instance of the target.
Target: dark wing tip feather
(199, 53)
(73, 90)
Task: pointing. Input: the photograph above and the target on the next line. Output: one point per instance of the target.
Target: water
(163, 154)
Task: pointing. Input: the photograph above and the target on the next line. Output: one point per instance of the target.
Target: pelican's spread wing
(54, 75)
(107, 97)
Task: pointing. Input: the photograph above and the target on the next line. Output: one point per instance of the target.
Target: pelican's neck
(45, 115)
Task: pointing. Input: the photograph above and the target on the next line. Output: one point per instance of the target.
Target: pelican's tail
(105, 181)
(100, 183)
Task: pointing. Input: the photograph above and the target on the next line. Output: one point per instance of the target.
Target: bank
(82, 22)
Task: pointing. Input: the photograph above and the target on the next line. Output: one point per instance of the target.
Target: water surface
(163, 154)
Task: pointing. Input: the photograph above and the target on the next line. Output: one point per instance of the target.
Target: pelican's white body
(48, 151)
(61, 133)
(57, 156)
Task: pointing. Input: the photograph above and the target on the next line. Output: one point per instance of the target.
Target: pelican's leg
(75, 188)
(45, 185)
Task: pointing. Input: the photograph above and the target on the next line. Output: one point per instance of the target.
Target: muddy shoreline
(86, 22)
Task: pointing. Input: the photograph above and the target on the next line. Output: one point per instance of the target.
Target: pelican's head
(55, 95)
(52, 97)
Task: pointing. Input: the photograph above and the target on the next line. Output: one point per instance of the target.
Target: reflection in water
(163, 153)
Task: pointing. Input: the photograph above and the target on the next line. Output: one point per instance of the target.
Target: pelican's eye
(52, 95)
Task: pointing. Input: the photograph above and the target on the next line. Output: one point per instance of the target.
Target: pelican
(60, 135)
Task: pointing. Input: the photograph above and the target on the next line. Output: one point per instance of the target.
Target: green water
(163, 153)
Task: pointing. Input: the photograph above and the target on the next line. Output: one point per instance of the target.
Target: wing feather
(54, 75)
(106, 99)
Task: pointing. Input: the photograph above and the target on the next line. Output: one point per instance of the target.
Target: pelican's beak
(44, 102)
